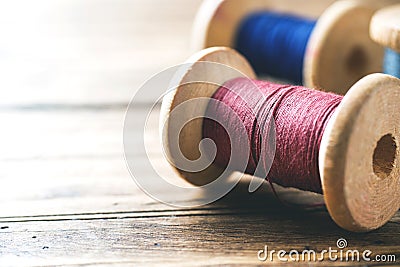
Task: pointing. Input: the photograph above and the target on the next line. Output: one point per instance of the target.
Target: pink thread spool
(284, 125)
(359, 161)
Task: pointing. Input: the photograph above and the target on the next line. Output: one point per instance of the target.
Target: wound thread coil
(358, 159)
(391, 63)
(275, 44)
(300, 117)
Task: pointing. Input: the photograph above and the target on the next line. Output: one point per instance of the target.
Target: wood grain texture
(358, 197)
(85, 209)
(186, 239)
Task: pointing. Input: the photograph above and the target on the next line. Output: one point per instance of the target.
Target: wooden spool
(385, 27)
(339, 51)
(378, 4)
(359, 156)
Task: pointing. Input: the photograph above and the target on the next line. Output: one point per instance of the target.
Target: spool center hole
(356, 60)
(384, 156)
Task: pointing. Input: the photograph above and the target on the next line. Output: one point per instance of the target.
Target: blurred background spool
(339, 51)
(385, 30)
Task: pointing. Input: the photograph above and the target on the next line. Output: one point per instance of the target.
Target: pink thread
(300, 116)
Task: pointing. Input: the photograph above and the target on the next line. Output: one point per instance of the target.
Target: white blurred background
(88, 51)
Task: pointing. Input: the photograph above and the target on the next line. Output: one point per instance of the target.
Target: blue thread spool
(391, 63)
(385, 30)
(331, 53)
(275, 44)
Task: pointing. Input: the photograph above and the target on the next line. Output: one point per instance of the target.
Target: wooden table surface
(66, 195)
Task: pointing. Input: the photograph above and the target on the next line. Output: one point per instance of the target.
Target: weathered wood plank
(82, 204)
(192, 238)
(81, 168)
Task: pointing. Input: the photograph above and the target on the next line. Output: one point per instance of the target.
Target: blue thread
(275, 44)
(391, 62)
